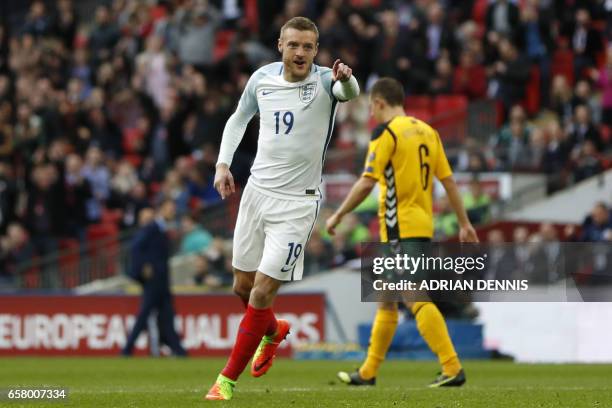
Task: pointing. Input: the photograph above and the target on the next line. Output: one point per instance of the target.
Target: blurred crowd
(539, 254)
(596, 228)
(109, 107)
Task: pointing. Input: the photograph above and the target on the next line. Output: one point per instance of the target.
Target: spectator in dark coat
(511, 73)
(15, 250)
(393, 52)
(132, 204)
(597, 223)
(76, 192)
(150, 257)
(66, 22)
(44, 213)
(104, 133)
(104, 36)
(38, 22)
(502, 18)
(535, 39)
(555, 157)
(587, 163)
(586, 42)
(8, 197)
(442, 82)
(583, 129)
(439, 36)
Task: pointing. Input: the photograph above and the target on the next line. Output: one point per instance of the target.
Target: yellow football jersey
(404, 155)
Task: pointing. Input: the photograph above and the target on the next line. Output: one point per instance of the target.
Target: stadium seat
(98, 232)
(449, 103)
(110, 216)
(531, 103)
(103, 248)
(69, 262)
(418, 102)
(31, 279)
(563, 64)
(450, 117)
(421, 114)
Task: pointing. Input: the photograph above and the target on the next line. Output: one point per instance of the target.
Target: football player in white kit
(296, 101)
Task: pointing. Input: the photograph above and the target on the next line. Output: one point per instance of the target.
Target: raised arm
(345, 86)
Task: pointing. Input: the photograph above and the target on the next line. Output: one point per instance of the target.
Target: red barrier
(99, 325)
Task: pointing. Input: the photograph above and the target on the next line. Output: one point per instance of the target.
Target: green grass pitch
(148, 382)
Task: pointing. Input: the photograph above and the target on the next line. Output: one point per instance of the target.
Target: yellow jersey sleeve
(443, 169)
(380, 150)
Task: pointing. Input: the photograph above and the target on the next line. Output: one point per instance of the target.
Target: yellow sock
(432, 327)
(383, 330)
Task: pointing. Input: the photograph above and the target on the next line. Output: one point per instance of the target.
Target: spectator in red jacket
(469, 77)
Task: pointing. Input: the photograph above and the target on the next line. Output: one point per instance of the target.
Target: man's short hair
(300, 24)
(390, 90)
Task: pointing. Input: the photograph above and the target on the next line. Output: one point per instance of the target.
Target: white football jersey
(296, 120)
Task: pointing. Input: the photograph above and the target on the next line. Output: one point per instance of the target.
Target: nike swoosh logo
(286, 270)
(260, 366)
(264, 93)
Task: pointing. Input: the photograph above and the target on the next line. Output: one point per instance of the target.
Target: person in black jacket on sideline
(150, 257)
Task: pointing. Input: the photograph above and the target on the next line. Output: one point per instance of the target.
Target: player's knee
(242, 288)
(261, 296)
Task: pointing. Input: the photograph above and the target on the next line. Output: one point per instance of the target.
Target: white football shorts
(271, 234)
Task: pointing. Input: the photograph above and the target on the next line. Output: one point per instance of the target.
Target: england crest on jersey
(308, 92)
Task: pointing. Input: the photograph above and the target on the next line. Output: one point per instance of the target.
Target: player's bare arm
(466, 231)
(360, 190)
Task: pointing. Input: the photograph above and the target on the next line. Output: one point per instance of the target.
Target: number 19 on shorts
(294, 253)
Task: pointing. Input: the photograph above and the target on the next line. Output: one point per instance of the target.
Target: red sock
(272, 326)
(252, 328)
